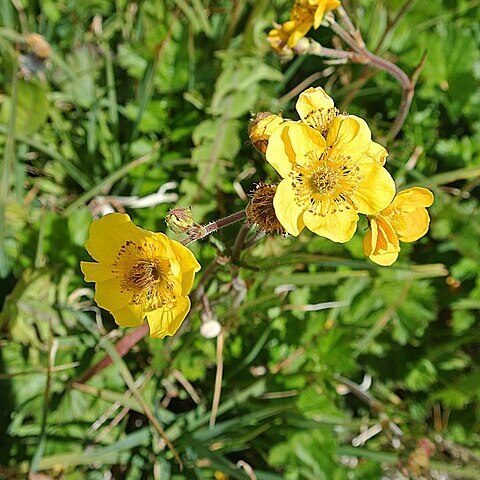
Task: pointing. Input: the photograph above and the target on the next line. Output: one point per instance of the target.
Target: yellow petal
(109, 233)
(387, 240)
(188, 265)
(313, 105)
(289, 26)
(277, 38)
(369, 241)
(332, 4)
(313, 98)
(96, 272)
(338, 227)
(293, 143)
(413, 198)
(130, 315)
(158, 242)
(412, 226)
(384, 259)
(110, 295)
(164, 321)
(381, 243)
(280, 154)
(288, 213)
(376, 189)
(349, 136)
(184, 256)
(319, 13)
(377, 153)
(300, 30)
(188, 277)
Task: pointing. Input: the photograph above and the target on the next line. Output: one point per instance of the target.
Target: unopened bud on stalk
(260, 210)
(260, 128)
(180, 219)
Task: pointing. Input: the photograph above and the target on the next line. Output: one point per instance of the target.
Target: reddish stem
(203, 231)
(123, 346)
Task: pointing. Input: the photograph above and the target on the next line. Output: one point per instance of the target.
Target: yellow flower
(278, 38)
(317, 109)
(405, 219)
(326, 181)
(139, 274)
(319, 8)
(306, 14)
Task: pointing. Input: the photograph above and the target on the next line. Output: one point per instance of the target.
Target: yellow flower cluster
(139, 274)
(332, 171)
(304, 15)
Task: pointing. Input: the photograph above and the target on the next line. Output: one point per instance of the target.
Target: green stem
(8, 167)
(35, 464)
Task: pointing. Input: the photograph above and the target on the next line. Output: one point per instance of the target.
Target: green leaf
(422, 376)
(78, 224)
(31, 109)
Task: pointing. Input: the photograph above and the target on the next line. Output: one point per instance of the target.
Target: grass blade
(8, 168)
(72, 171)
(109, 180)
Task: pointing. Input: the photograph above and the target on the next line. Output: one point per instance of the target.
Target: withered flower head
(39, 46)
(34, 56)
(260, 128)
(260, 210)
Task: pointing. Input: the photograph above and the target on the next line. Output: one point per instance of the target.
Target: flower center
(321, 119)
(393, 214)
(147, 275)
(325, 180)
(324, 185)
(144, 273)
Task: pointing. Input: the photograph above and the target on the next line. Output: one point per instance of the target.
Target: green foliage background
(136, 95)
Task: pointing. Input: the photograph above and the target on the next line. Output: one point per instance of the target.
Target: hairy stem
(123, 346)
(202, 231)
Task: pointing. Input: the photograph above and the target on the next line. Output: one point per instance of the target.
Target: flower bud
(180, 219)
(260, 128)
